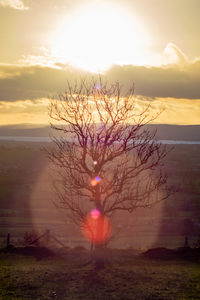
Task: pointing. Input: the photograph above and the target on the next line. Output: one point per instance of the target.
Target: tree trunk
(99, 256)
(99, 247)
(99, 250)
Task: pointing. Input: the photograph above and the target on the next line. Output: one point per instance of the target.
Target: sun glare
(97, 36)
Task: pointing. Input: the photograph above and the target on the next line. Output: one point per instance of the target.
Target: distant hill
(177, 132)
(25, 130)
(164, 132)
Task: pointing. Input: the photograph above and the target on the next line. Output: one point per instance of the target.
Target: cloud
(174, 111)
(174, 55)
(181, 111)
(31, 82)
(24, 111)
(18, 82)
(15, 4)
(167, 81)
(23, 90)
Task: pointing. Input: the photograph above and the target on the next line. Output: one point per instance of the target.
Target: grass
(126, 276)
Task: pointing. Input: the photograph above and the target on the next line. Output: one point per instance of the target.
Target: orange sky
(154, 44)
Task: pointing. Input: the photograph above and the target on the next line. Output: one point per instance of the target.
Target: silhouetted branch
(100, 133)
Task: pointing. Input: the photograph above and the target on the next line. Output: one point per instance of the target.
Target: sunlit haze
(93, 37)
(153, 44)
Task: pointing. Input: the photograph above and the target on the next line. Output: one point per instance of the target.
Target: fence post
(47, 236)
(186, 244)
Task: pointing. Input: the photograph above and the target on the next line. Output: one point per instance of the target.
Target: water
(48, 140)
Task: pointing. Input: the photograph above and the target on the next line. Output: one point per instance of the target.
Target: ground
(26, 194)
(126, 276)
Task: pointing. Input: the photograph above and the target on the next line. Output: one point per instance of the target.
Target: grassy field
(26, 193)
(126, 276)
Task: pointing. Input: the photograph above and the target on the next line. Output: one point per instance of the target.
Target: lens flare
(95, 181)
(97, 86)
(95, 214)
(96, 227)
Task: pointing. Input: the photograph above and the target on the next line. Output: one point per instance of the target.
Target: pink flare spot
(95, 214)
(97, 230)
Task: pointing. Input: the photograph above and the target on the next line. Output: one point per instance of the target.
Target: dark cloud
(174, 81)
(29, 82)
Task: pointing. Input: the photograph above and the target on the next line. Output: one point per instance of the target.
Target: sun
(97, 36)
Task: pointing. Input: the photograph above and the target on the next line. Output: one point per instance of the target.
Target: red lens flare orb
(96, 227)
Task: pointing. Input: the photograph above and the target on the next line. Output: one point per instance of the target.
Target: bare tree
(105, 156)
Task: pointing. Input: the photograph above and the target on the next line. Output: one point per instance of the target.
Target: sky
(154, 44)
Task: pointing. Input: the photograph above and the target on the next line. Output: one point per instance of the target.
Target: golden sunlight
(99, 35)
